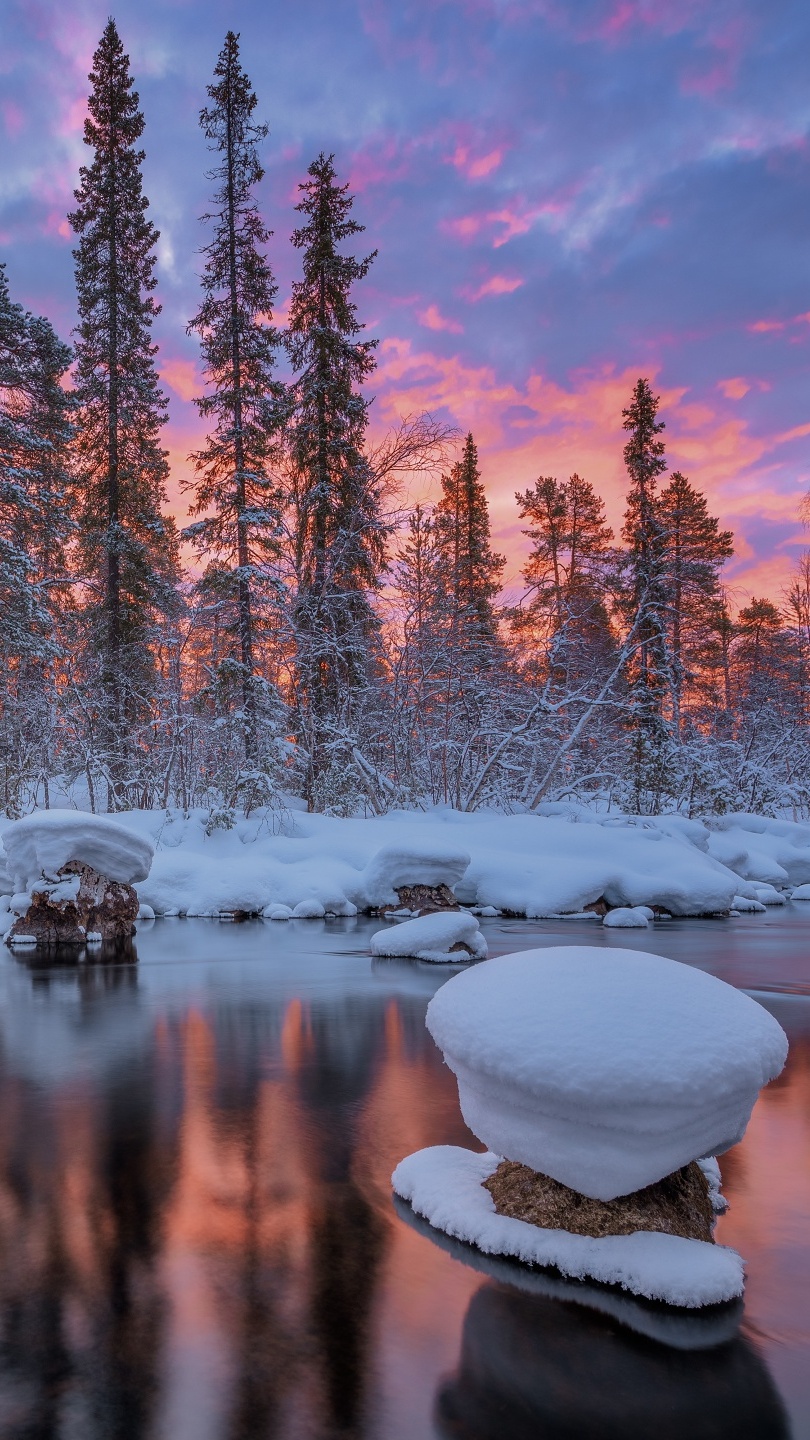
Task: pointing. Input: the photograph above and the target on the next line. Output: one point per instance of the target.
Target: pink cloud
(432, 319)
(181, 375)
(735, 388)
(496, 285)
(475, 167)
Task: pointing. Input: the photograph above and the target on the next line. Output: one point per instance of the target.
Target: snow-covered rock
(636, 918)
(277, 912)
(606, 1069)
(396, 867)
(444, 1183)
(759, 848)
(445, 937)
(42, 844)
(802, 892)
(744, 906)
(309, 910)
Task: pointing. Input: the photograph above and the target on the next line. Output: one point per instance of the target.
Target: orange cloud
(433, 319)
(541, 427)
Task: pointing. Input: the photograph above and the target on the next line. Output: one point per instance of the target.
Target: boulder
(426, 899)
(77, 903)
(680, 1204)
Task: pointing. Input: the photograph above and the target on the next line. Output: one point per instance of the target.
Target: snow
(431, 863)
(431, 937)
(444, 1184)
(802, 892)
(309, 910)
(636, 918)
(277, 912)
(747, 907)
(606, 1069)
(527, 864)
(40, 845)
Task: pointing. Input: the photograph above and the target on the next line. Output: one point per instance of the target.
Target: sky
(563, 194)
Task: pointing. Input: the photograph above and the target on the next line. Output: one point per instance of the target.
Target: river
(198, 1238)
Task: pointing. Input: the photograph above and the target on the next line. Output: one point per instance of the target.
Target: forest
(329, 638)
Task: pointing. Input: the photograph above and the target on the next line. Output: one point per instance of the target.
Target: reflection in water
(197, 1240)
(535, 1366)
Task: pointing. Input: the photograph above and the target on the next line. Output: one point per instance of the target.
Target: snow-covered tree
(237, 492)
(34, 525)
(470, 569)
(127, 547)
(340, 533)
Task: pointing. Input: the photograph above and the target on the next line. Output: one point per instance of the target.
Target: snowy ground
(532, 865)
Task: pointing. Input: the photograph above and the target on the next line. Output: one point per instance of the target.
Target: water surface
(198, 1239)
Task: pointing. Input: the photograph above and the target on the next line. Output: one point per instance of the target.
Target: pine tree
(471, 569)
(566, 574)
(645, 598)
(127, 548)
(340, 533)
(236, 492)
(695, 551)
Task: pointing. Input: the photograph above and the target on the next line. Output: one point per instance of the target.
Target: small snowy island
(602, 1083)
(73, 877)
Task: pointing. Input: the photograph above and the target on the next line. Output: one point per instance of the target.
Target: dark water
(198, 1240)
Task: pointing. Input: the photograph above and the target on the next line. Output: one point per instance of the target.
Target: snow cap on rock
(605, 1069)
(430, 863)
(634, 917)
(43, 843)
(431, 937)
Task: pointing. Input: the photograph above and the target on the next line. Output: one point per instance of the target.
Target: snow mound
(768, 895)
(636, 918)
(776, 852)
(604, 1069)
(43, 843)
(445, 1185)
(747, 907)
(430, 863)
(277, 912)
(802, 892)
(309, 910)
(432, 937)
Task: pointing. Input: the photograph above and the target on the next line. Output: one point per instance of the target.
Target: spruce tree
(645, 597)
(236, 493)
(471, 568)
(696, 549)
(340, 533)
(127, 547)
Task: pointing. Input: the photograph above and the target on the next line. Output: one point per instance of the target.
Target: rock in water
(73, 875)
(78, 903)
(680, 1204)
(426, 899)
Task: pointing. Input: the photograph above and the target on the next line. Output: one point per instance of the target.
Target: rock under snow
(41, 845)
(444, 937)
(445, 1184)
(744, 906)
(636, 917)
(277, 912)
(802, 892)
(395, 868)
(606, 1069)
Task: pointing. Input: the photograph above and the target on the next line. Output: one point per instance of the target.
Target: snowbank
(432, 937)
(39, 846)
(773, 852)
(606, 1069)
(533, 865)
(445, 1185)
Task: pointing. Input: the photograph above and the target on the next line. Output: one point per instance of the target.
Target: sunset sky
(565, 194)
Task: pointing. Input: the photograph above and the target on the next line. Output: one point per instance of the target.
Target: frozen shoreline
(525, 865)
